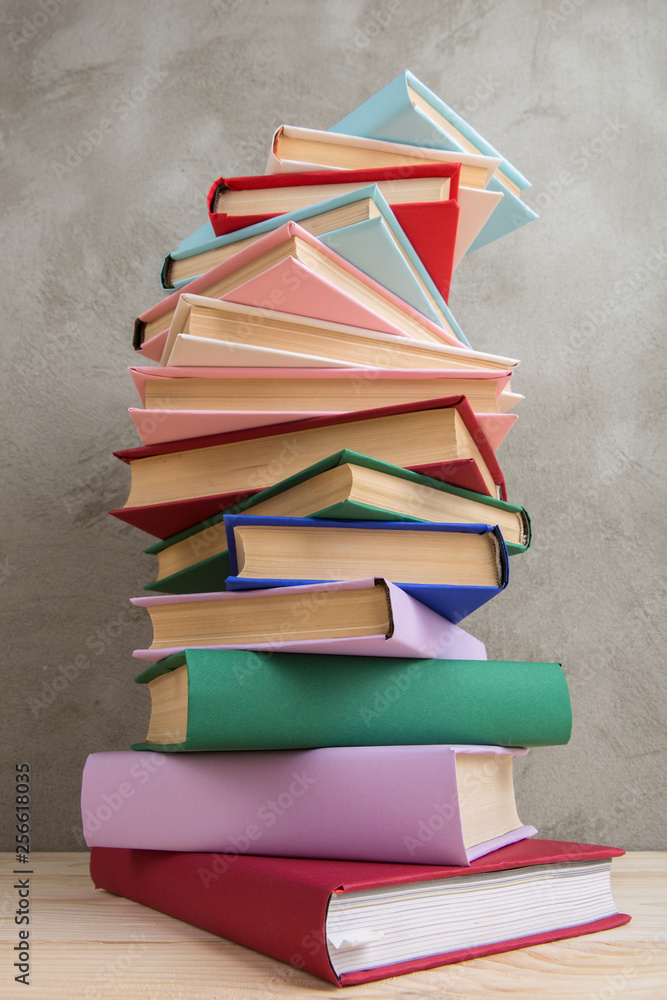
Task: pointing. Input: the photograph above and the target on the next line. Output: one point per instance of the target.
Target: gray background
(572, 93)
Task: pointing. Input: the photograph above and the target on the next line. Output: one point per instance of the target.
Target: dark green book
(345, 486)
(220, 699)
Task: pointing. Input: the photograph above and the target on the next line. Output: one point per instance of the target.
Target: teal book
(408, 112)
(376, 244)
(346, 486)
(221, 699)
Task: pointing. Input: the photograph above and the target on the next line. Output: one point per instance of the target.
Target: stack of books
(327, 775)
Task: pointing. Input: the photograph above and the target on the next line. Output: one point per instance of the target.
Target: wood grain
(89, 945)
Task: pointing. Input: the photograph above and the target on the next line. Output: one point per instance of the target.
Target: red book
(430, 226)
(308, 913)
(294, 446)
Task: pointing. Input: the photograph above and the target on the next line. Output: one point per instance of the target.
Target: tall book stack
(327, 773)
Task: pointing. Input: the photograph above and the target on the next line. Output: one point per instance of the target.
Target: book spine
(347, 701)
(251, 906)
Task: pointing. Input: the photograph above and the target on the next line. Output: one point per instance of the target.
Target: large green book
(214, 699)
(344, 486)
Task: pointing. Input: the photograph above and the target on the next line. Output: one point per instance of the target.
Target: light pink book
(361, 378)
(404, 804)
(416, 630)
(309, 295)
(148, 324)
(160, 426)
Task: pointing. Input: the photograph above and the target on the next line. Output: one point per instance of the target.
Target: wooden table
(86, 944)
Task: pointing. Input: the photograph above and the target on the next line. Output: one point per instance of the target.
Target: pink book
(416, 630)
(214, 283)
(161, 426)
(403, 804)
(309, 295)
(361, 378)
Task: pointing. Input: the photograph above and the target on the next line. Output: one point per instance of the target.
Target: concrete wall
(573, 93)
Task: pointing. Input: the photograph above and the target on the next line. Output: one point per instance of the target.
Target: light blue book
(204, 234)
(406, 111)
(377, 246)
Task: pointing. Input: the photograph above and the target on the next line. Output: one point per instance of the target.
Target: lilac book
(413, 630)
(422, 804)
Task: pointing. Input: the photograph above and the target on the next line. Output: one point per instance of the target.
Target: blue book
(376, 245)
(406, 111)
(463, 568)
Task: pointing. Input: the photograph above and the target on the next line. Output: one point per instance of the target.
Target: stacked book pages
(327, 773)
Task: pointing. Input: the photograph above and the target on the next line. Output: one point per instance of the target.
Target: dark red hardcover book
(170, 516)
(283, 907)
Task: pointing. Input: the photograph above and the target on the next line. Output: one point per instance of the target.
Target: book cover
(397, 114)
(413, 629)
(453, 601)
(281, 907)
(353, 803)
(277, 700)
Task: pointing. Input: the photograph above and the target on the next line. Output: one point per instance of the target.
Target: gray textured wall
(573, 93)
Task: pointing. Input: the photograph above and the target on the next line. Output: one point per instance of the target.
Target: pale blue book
(377, 246)
(408, 112)
(204, 234)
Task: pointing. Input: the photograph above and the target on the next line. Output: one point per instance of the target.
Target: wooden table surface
(86, 944)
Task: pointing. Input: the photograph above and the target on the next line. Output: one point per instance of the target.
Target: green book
(221, 699)
(344, 486)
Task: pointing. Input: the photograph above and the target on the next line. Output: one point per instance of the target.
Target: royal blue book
(406, 111)
(451, 568)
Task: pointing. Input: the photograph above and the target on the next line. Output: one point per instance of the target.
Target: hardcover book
(239, 699)
(370, 617)
(451, 568)
(344, 486)
(177, 484)
(332, 390)
(304, 150)
(436, 805)
(355, 344)
(238, 202)
(285, 244)
(352, 922)
(406, 111)
(422, 201)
